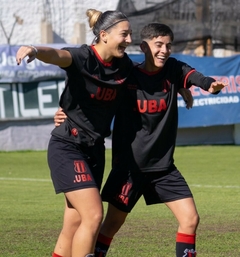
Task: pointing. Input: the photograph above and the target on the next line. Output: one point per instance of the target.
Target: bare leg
(113, 221)
(186, 213)
(88, 204)
(71, 222)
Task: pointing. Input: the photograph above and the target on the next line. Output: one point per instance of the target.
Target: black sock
(185, 245)
(102, 245)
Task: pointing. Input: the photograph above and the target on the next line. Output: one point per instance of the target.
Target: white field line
(26, 179)
(215, 186)
(49, 180)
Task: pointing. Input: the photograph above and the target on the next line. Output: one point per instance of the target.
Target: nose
(128, 39)
(164, 48)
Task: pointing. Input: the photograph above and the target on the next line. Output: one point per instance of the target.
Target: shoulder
(78, 50)
(177, 65)
(80, 54)
(124, 63)
(173, 61)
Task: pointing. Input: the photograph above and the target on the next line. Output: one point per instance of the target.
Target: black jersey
(92, 94)
(145, 126)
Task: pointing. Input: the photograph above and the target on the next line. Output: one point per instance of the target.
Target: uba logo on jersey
(105, 94)
(149, 101)
(151, 106)
(81, 170)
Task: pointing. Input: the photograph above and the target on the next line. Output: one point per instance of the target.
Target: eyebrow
(126, 30)
(161, 42)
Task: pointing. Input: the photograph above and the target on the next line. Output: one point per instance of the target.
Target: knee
(189, 224)
(97, 218)
(193, 221)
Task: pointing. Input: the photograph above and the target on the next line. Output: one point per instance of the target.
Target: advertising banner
(33, 90)
(209, 109)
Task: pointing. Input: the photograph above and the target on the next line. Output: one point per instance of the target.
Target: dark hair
(155, 30)
(103, 21)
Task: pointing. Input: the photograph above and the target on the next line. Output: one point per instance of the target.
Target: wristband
(35, 49)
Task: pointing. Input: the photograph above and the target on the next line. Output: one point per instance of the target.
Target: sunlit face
(118, 38)
(157, 51)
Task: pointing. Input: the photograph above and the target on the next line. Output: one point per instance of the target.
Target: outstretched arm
(50, 55)
(206, 83)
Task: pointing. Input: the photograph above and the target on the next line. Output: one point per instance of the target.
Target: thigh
(69, 167)
(123, 189)
(88, 203)
(71, 219)
(166, 187)
(183, 209)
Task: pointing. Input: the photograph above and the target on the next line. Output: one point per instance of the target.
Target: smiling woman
(95, 86)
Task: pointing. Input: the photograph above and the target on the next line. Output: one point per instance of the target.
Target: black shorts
(75, 167)
(123, 190)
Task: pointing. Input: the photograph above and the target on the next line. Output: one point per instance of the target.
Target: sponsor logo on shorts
(123, 196)
(81, 170)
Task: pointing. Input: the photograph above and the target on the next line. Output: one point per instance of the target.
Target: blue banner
(209, 109)
(33, 90)
(10, 72)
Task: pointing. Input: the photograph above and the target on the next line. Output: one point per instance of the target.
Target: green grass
(31, 213)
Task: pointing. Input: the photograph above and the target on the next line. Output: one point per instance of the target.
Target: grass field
(31, 213)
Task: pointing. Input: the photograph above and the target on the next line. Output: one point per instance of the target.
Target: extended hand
(24, 51)
(216, 86)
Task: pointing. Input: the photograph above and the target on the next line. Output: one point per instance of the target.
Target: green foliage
(31, 213)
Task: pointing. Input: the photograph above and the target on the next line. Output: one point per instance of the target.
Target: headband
(116, 22)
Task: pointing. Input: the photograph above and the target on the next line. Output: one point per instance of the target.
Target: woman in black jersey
(95, 85)
(144, 137)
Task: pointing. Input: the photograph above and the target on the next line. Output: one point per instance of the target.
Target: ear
(103, 36)
(143, 46)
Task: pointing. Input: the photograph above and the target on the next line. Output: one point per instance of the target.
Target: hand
(187, 97)
(59, 117)
(216, 86)
(24, 51)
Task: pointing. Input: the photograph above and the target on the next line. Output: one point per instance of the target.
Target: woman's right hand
(25, 51)
(59, 117)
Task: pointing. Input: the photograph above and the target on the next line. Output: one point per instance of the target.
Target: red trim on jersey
(149, 72)
(184, 238)
(56, 255)
(99, 57)
(185, 80)
(104, 239)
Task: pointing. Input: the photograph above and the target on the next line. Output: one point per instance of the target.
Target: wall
(61, 14)
(29, 134)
